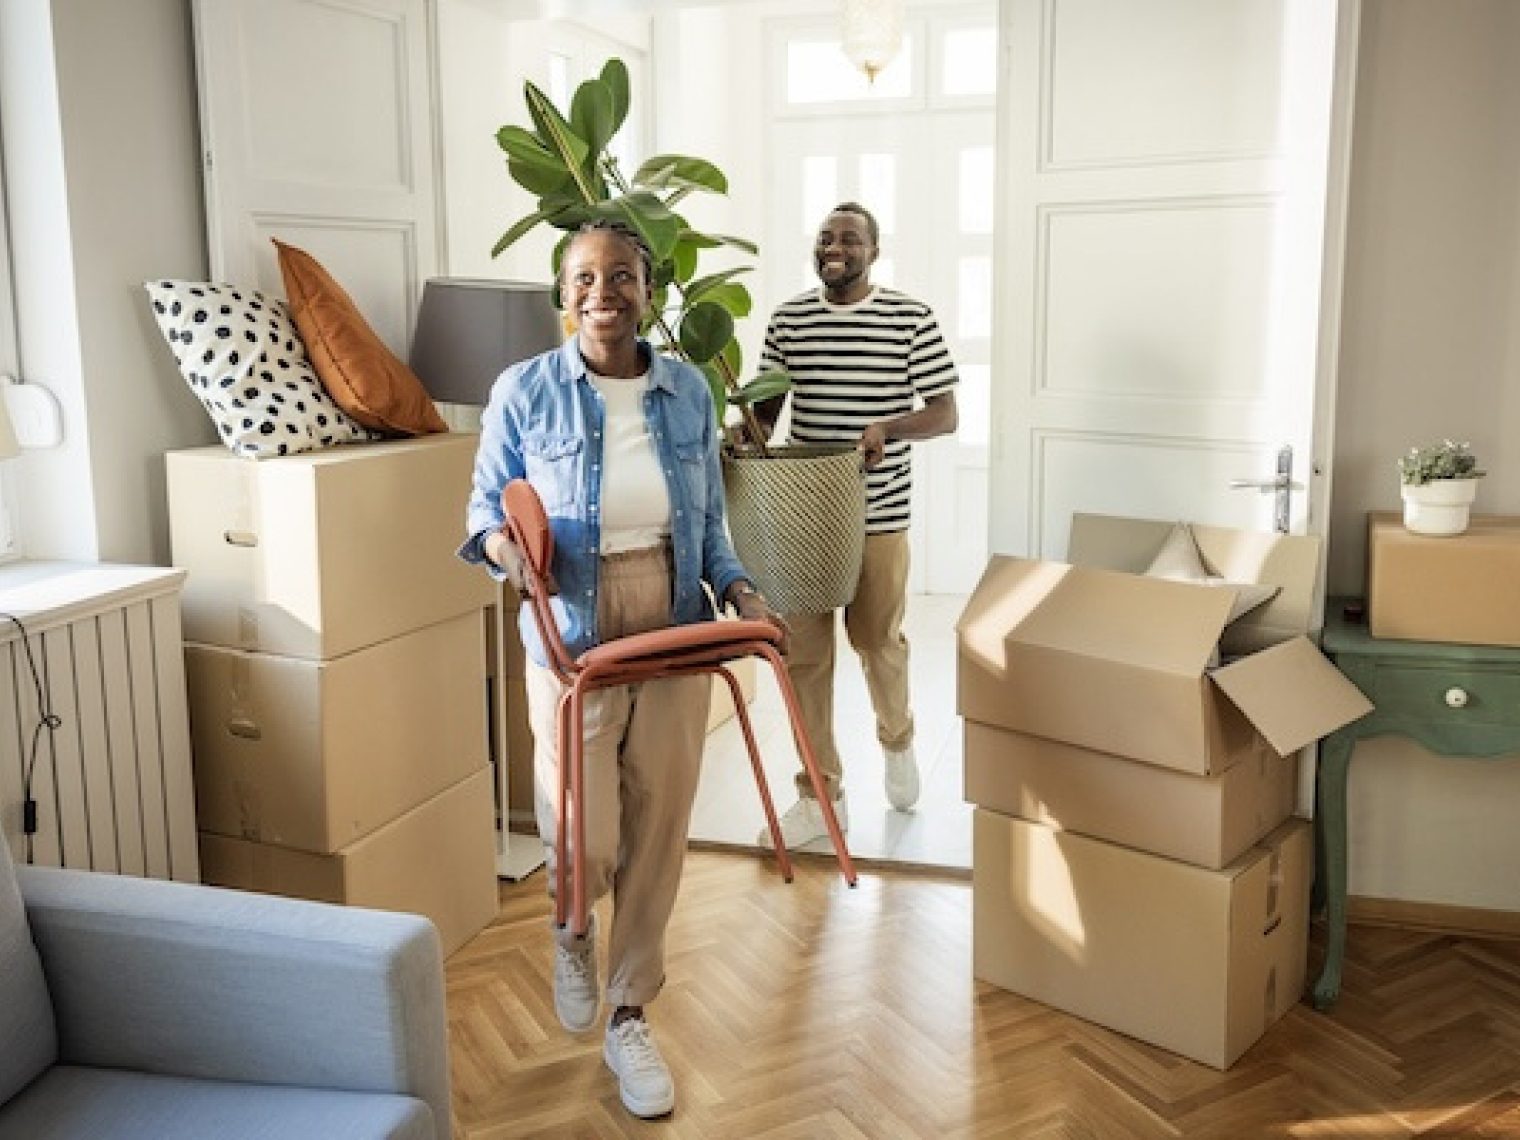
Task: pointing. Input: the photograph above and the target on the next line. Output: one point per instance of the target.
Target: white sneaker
(802, 823)
(643, 1077)
(902, 778)
(577, 994)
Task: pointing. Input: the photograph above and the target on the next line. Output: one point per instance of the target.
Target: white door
(316, 128)
(926, 176)
(1170, 248)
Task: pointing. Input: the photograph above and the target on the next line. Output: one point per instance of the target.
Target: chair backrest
(528, 528)
(28, 1034)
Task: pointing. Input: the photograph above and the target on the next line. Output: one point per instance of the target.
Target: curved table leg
(1330, 857)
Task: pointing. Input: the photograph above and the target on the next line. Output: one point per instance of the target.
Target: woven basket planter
(798, 521)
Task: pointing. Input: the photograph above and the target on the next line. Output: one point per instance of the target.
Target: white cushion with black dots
(241, 355)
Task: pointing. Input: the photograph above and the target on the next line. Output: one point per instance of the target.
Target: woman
(621, 445)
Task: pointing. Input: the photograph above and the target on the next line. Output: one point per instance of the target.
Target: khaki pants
(643, 753)
(873, 622)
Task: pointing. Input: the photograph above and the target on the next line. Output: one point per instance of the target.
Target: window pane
(820, 191)
(970, 61)
(818, 72)
(974, 316)
(973, 398)
(878, 189)
(976, 179)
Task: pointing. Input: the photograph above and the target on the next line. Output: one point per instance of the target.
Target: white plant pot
(1439, 507)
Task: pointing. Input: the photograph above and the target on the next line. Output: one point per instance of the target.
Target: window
(818, 72)
(9, 519)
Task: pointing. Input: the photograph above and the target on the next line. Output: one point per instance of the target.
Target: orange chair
(703, 647)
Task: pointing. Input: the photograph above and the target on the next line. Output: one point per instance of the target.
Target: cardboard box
(1198, 962)
(1205, 820)
(1459, 589)
(320, 554)
(437, 860)
(317, 754)
(1118, 662)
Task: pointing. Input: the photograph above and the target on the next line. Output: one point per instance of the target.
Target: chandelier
(871, 33)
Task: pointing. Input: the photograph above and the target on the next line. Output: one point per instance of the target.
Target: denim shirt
(544, 423)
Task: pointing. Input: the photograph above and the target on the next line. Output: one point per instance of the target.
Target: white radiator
(112, 783)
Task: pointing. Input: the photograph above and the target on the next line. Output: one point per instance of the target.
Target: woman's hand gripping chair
(704, 647)
(136, 1009)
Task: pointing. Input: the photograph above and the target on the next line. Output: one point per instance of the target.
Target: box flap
(1292, 694)
(1288, 561)
(1148, 622)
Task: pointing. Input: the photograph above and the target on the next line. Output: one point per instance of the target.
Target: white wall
(1431, 347)
(102, 170)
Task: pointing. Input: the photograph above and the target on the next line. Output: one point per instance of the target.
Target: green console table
(1456, 700)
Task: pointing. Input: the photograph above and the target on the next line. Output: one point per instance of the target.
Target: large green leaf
(699, 286)
(531, 165)
(553, 130)
(517, 229)
(733, 356)
(717, 387)
(591, 115)
(705, 329)
(659, 228)
(615, 76)
(679, 171)
(684, 260)
(730, 294)
(766, 386)
(745, 244)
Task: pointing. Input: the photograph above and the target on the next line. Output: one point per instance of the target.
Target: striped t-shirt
(852, 365)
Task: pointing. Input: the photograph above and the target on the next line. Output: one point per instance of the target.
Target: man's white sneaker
(902, 778)
(802, 823)
(643, 1076)
(577, 994)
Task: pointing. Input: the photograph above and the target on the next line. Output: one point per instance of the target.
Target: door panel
(316, 129)
(1163, 220)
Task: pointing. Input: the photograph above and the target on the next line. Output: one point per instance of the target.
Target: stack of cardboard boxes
(1135, 858)
(336, 666)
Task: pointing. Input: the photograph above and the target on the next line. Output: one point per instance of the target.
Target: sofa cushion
(28, 1037)
(368, 380)
(74, 1101)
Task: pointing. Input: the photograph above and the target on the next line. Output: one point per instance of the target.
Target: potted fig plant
(797, 515)
(1438, 484)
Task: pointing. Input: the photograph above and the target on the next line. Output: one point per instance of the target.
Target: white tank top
(635, 499)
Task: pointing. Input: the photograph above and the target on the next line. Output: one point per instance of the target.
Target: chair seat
(683, 639)
(72, 1102)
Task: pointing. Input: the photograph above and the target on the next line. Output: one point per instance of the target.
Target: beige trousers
(873, 622)
(643, 753)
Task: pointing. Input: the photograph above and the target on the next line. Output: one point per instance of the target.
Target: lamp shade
(469, 330)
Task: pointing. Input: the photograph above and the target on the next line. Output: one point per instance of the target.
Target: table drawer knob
(1456, 698)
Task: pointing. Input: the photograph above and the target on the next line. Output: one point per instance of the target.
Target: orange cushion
(364, 377)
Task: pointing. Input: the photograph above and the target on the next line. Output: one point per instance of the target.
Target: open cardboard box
(1115, 661)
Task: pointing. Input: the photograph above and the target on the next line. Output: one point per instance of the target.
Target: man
(869, 367)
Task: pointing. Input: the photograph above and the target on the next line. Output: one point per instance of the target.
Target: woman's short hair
(624, 231)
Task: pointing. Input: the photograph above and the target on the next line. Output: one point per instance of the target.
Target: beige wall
(1430, 347)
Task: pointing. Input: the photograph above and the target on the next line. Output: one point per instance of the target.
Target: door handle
(1281, 485)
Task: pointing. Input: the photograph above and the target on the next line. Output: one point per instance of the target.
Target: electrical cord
(48, 720)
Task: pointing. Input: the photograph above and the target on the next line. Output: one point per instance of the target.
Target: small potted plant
(1439, 482)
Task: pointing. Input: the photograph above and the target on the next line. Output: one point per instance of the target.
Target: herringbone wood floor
(810, 1011)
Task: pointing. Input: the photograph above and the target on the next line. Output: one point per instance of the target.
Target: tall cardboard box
(317, 754)
(1195, 961)
(1464, 588)
(437, 860)
(1206, 820)
(323, 553)
(1121, 663)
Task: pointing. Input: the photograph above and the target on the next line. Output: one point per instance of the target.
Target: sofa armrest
(200, 981)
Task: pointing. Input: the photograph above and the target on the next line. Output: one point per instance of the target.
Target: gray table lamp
(469, 330)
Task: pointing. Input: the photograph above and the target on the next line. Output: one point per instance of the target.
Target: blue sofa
(135, 1008)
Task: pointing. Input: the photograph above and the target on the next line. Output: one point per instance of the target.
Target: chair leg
(783, 860)
(810, 762)
(578, 922)
(562, 812)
